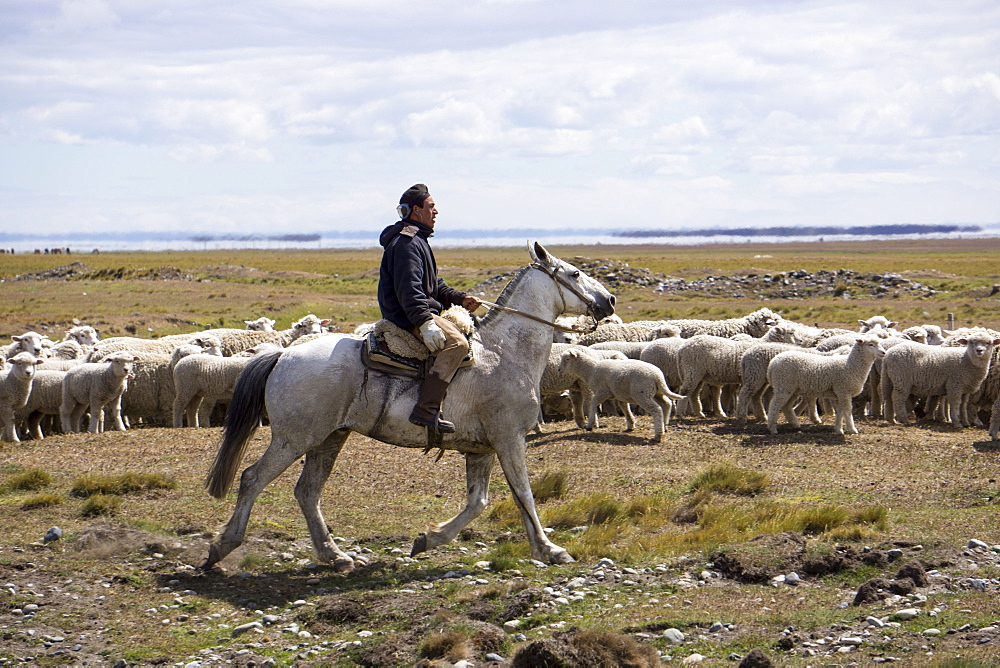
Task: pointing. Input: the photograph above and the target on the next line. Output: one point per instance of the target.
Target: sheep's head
(210, 345)
(85, 335)
(567, 358)
(22, 365)
(309, 324)
(30, 342)
(123, 363)
(979, 345)
(870, 345)
(261, 324)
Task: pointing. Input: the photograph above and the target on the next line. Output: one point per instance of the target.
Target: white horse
(316, 394)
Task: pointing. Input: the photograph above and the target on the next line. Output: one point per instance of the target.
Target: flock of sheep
(879, 370)
(735, 363)
(126, 379)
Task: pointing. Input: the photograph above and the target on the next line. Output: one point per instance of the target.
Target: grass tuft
(126, 483)
(728, 479)
(451, 645)
(552, 485)
(100, 504)
(30, 480)
(41, 501)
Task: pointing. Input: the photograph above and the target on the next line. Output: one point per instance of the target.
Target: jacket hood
(392, 231)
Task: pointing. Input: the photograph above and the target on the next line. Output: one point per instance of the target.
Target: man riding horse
(412, 296)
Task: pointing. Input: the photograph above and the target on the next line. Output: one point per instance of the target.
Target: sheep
(95, 385)
(628, 331)
(628, 381)
(630, 349)
(237, 340)
(709, 360)
(876, 323)
(755, 324)
(64, 355)
(753, 377)
(555, 382)
(15, 387)
(29, 342)
(662, 353)
(85, 335)
(935, 335)
(582, 324)
(835, 377)
(809, 337)
(921, 370)
(665, 331)
(43, 401)
(199, 377)
(261, 324)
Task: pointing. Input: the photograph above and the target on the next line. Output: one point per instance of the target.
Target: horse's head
(580, 293)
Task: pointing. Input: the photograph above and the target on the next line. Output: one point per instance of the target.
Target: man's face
(425, 214)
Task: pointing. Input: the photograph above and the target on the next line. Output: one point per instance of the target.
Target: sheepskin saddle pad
(392, 349)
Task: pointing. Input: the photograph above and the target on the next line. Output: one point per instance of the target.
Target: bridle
(553, 273)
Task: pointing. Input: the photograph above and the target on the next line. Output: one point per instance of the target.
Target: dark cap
(415, 195)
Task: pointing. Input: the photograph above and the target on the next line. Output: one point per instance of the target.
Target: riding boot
(427, 412)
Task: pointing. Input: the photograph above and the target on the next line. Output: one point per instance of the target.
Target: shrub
(89, 484)
(41, 501)
(729, 479)
(552, 485)
(100, 504)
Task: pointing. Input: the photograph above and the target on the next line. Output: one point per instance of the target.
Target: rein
(560, 281)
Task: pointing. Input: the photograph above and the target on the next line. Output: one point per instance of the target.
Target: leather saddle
(378, 353)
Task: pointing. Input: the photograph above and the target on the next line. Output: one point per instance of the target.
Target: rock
(756, 659)
(494, 657)
(694, 658)
(792, 579)
(932, 632)
(906, 613)
(54, 533)
(978, 544)
(875, 621)
(894, 554)
(511, 625)
(243, 628)
(717, 627)
(674, 635)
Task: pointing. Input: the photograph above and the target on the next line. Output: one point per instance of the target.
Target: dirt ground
(126, 588)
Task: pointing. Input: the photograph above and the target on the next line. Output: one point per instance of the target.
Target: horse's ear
(539, 254)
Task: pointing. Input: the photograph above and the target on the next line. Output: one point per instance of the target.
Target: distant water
(79, 244)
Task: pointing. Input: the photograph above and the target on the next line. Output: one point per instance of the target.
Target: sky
(302, 116)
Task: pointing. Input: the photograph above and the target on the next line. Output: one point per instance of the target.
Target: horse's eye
(576, 274)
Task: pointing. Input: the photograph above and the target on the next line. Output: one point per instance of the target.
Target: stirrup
(436, 425)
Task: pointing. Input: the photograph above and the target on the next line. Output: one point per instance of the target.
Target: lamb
(935, 335)
(835, 377)
(261, 324)
(709, 360)
(582, 324)
(666, 331)
(43, 402)
(64, 355)
(96, 385)
(876, 323)
(29, 342)
(85, 335)
(149, 395)
(753, 377)
(199, 377)
(555, 381)
(628, 381)
(921, 370)
(237, 340)
(15, 387)
(809, 337)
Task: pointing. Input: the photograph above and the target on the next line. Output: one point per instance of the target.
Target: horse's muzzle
(602, 306)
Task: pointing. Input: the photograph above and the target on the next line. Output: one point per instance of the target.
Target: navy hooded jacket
(409, 290)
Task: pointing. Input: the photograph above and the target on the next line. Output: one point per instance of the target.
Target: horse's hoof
(419, 545)
(343, 565)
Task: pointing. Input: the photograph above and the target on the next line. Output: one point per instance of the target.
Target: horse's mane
(505, 294)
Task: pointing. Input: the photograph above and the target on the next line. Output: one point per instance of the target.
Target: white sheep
(877, 324)
(713, 361)
(261, 324)
(954, 371)
(582, 324)
(85, 335)
(29, 342)
(64, 356)
(200, 377)
(555, 382)
(94, 386)
(234, 341)
(755, 324)
(628, 381)
(838, 378)
(935, 335)
(666, 331)
(753, 377)
(662, 353)
(807, 336)
(43, 402)
(15, 387)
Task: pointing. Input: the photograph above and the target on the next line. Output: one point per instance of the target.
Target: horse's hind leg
(315, 471)
(477, 482)
(278, 457)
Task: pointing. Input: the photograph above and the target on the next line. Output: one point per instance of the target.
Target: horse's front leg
(515, 468)
(278, 457)
(315, 472)
(477, 482)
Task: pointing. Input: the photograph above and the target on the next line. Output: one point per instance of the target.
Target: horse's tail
(242, 419)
